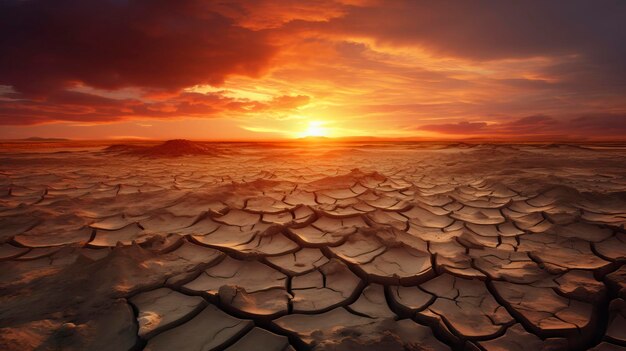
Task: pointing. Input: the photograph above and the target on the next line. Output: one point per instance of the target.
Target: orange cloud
(82, 107)
(539, 127)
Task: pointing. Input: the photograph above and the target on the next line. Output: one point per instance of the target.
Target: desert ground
(312, 246)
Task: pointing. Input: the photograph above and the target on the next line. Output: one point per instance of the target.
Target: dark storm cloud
(49, 45)
(493, 29)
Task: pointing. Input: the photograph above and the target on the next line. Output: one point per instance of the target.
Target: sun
(315, 129)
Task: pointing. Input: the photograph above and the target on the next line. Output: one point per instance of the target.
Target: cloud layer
(447, 68)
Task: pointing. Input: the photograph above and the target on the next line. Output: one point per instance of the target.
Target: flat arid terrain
(312, 245)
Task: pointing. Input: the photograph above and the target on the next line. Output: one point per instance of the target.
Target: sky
(261, 69)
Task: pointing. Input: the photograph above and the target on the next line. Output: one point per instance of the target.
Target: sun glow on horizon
(315, 129)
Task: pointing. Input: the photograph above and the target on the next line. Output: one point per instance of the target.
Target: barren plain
(312, 245)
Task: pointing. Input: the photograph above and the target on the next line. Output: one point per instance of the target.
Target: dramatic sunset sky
(260, 69)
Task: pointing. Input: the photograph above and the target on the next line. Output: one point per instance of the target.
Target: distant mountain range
(44, 139)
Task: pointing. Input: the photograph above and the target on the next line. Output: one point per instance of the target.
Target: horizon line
(324, 139)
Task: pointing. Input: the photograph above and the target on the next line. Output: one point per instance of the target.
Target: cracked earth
(313, 247)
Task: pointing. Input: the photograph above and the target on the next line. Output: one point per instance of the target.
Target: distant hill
(44, 139)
